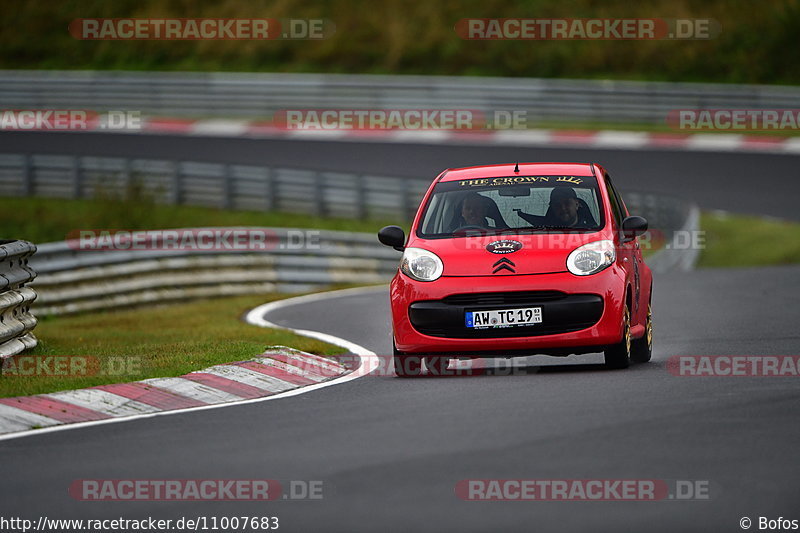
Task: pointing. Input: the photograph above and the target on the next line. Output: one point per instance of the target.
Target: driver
(564, 206)
(564, 211)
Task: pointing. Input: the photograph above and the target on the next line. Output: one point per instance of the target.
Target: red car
(509, 260)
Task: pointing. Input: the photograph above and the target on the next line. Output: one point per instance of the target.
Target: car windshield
(513, 204)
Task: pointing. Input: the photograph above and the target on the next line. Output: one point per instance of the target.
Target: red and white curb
(611, 139)
(279, 372)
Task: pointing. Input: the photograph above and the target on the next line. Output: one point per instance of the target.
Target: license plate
(503, 318)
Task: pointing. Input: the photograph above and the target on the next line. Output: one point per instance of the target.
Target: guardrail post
(270, 202)
(319, 195)
(126, 174)
(77, 178)
(227, 178)
(27, 175)
(361, 206)
(404, 201)
(177, 193)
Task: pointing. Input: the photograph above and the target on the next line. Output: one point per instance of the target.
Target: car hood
(530, 253)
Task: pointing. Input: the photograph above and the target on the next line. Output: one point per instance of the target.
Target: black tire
(406, 366)
(437, 365)
(618, 356)
(642, 348)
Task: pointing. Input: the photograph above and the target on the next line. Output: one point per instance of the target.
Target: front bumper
(580, 314)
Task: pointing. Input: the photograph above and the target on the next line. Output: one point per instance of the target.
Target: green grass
(756, 44)
(739, 241)
(134, 344)
(48, 219)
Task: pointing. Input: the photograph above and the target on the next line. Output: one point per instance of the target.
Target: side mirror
(633, 227)
(393, 236)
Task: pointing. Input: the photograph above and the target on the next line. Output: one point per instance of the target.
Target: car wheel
(437, 365)
(642, 349)
(405, 366)
(619, 355)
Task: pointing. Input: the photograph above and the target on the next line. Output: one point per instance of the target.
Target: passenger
(475, 209)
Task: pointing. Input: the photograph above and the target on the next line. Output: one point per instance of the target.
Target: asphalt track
(389, 451)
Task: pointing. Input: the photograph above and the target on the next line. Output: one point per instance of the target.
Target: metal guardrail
(255, 188)
(254, 95)
(16, 322)
(319, 193)
(73, 280)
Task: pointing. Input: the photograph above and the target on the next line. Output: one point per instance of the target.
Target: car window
(515, 203)
(620, 201)
(613, 198)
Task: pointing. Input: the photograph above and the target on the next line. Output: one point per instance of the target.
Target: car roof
(525, 169)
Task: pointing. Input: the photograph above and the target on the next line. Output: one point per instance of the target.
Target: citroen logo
(504, 264)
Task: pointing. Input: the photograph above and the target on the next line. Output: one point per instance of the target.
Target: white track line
(715, 142)
(791, 145)
(256, 317)
(522, 137)
(420, 136)
(220, 127)
(620, 139)
(369, 362)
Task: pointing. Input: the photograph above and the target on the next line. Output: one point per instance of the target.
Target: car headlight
(591, 258)
(421, 265)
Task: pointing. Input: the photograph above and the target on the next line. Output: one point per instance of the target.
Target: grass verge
(129, 345)
(739, 241)
(50, 219)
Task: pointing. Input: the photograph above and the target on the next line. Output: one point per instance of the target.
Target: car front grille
(502, 298)
(561, 313)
